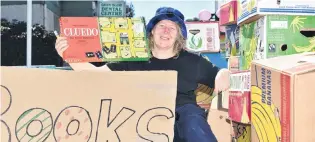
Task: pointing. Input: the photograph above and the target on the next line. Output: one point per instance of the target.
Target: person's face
(164, 34)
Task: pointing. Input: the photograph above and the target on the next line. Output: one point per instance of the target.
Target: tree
(130, 10)
(13, 45)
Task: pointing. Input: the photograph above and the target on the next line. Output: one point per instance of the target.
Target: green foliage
(13, 45)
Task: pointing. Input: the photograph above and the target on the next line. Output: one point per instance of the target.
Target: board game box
(103, 39)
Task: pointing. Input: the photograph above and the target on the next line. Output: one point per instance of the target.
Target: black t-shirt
(191, 68)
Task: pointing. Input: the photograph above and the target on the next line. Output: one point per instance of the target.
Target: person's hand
(222, 81)
(61, 45)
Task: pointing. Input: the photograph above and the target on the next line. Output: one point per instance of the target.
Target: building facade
(47, 13)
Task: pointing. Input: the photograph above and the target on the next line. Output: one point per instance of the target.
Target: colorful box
(282, 99)
(99, 39)
(276, 35)
(203, 36)
(233, 64)
(239, 99)
(232, 40)
(228, 13)
(204, 96)
(250, 10)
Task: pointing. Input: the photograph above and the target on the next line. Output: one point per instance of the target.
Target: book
(104, 39)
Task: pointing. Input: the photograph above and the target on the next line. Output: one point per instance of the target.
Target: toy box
(276, 35)
(282, 99)
(250, 10)
(99, 39)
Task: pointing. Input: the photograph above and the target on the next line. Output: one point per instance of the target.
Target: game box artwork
(103, 39)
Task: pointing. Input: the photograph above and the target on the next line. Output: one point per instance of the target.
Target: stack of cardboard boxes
(270, 28)
(270, 45)
(274, 37)
(232, 123)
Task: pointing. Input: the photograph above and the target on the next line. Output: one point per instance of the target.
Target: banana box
(282, 99)
(249, 10)
(276, 35)
(239, 97)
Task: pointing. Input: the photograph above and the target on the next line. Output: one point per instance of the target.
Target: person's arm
(207, 72)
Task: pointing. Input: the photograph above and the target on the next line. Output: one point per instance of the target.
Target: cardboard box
(282, 98)
(228, 13)
(239, 97)
(226, 130)
(251, 10)
(276, 35)
(232, 40)
(220, 125)
(233, 64)
(203, 36)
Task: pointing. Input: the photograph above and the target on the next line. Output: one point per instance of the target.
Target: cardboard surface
(99, 39)
(250, 9)
(226, 130)
(282, 96)
(276, 35)
(219, 125)
(59, 105)
(203, 36)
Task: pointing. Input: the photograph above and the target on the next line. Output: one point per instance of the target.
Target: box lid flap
(292, 64)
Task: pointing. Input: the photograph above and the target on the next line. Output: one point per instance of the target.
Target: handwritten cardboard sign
(67, 106)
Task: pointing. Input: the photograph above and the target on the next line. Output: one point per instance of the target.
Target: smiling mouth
(164, 38)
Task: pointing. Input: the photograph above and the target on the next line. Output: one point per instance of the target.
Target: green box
(276, 35)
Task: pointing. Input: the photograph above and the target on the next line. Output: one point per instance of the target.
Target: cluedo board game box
(103, 39)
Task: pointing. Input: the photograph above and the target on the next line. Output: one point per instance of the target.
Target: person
(167, 36)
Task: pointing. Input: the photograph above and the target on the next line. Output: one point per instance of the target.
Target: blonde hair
(179, 44)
